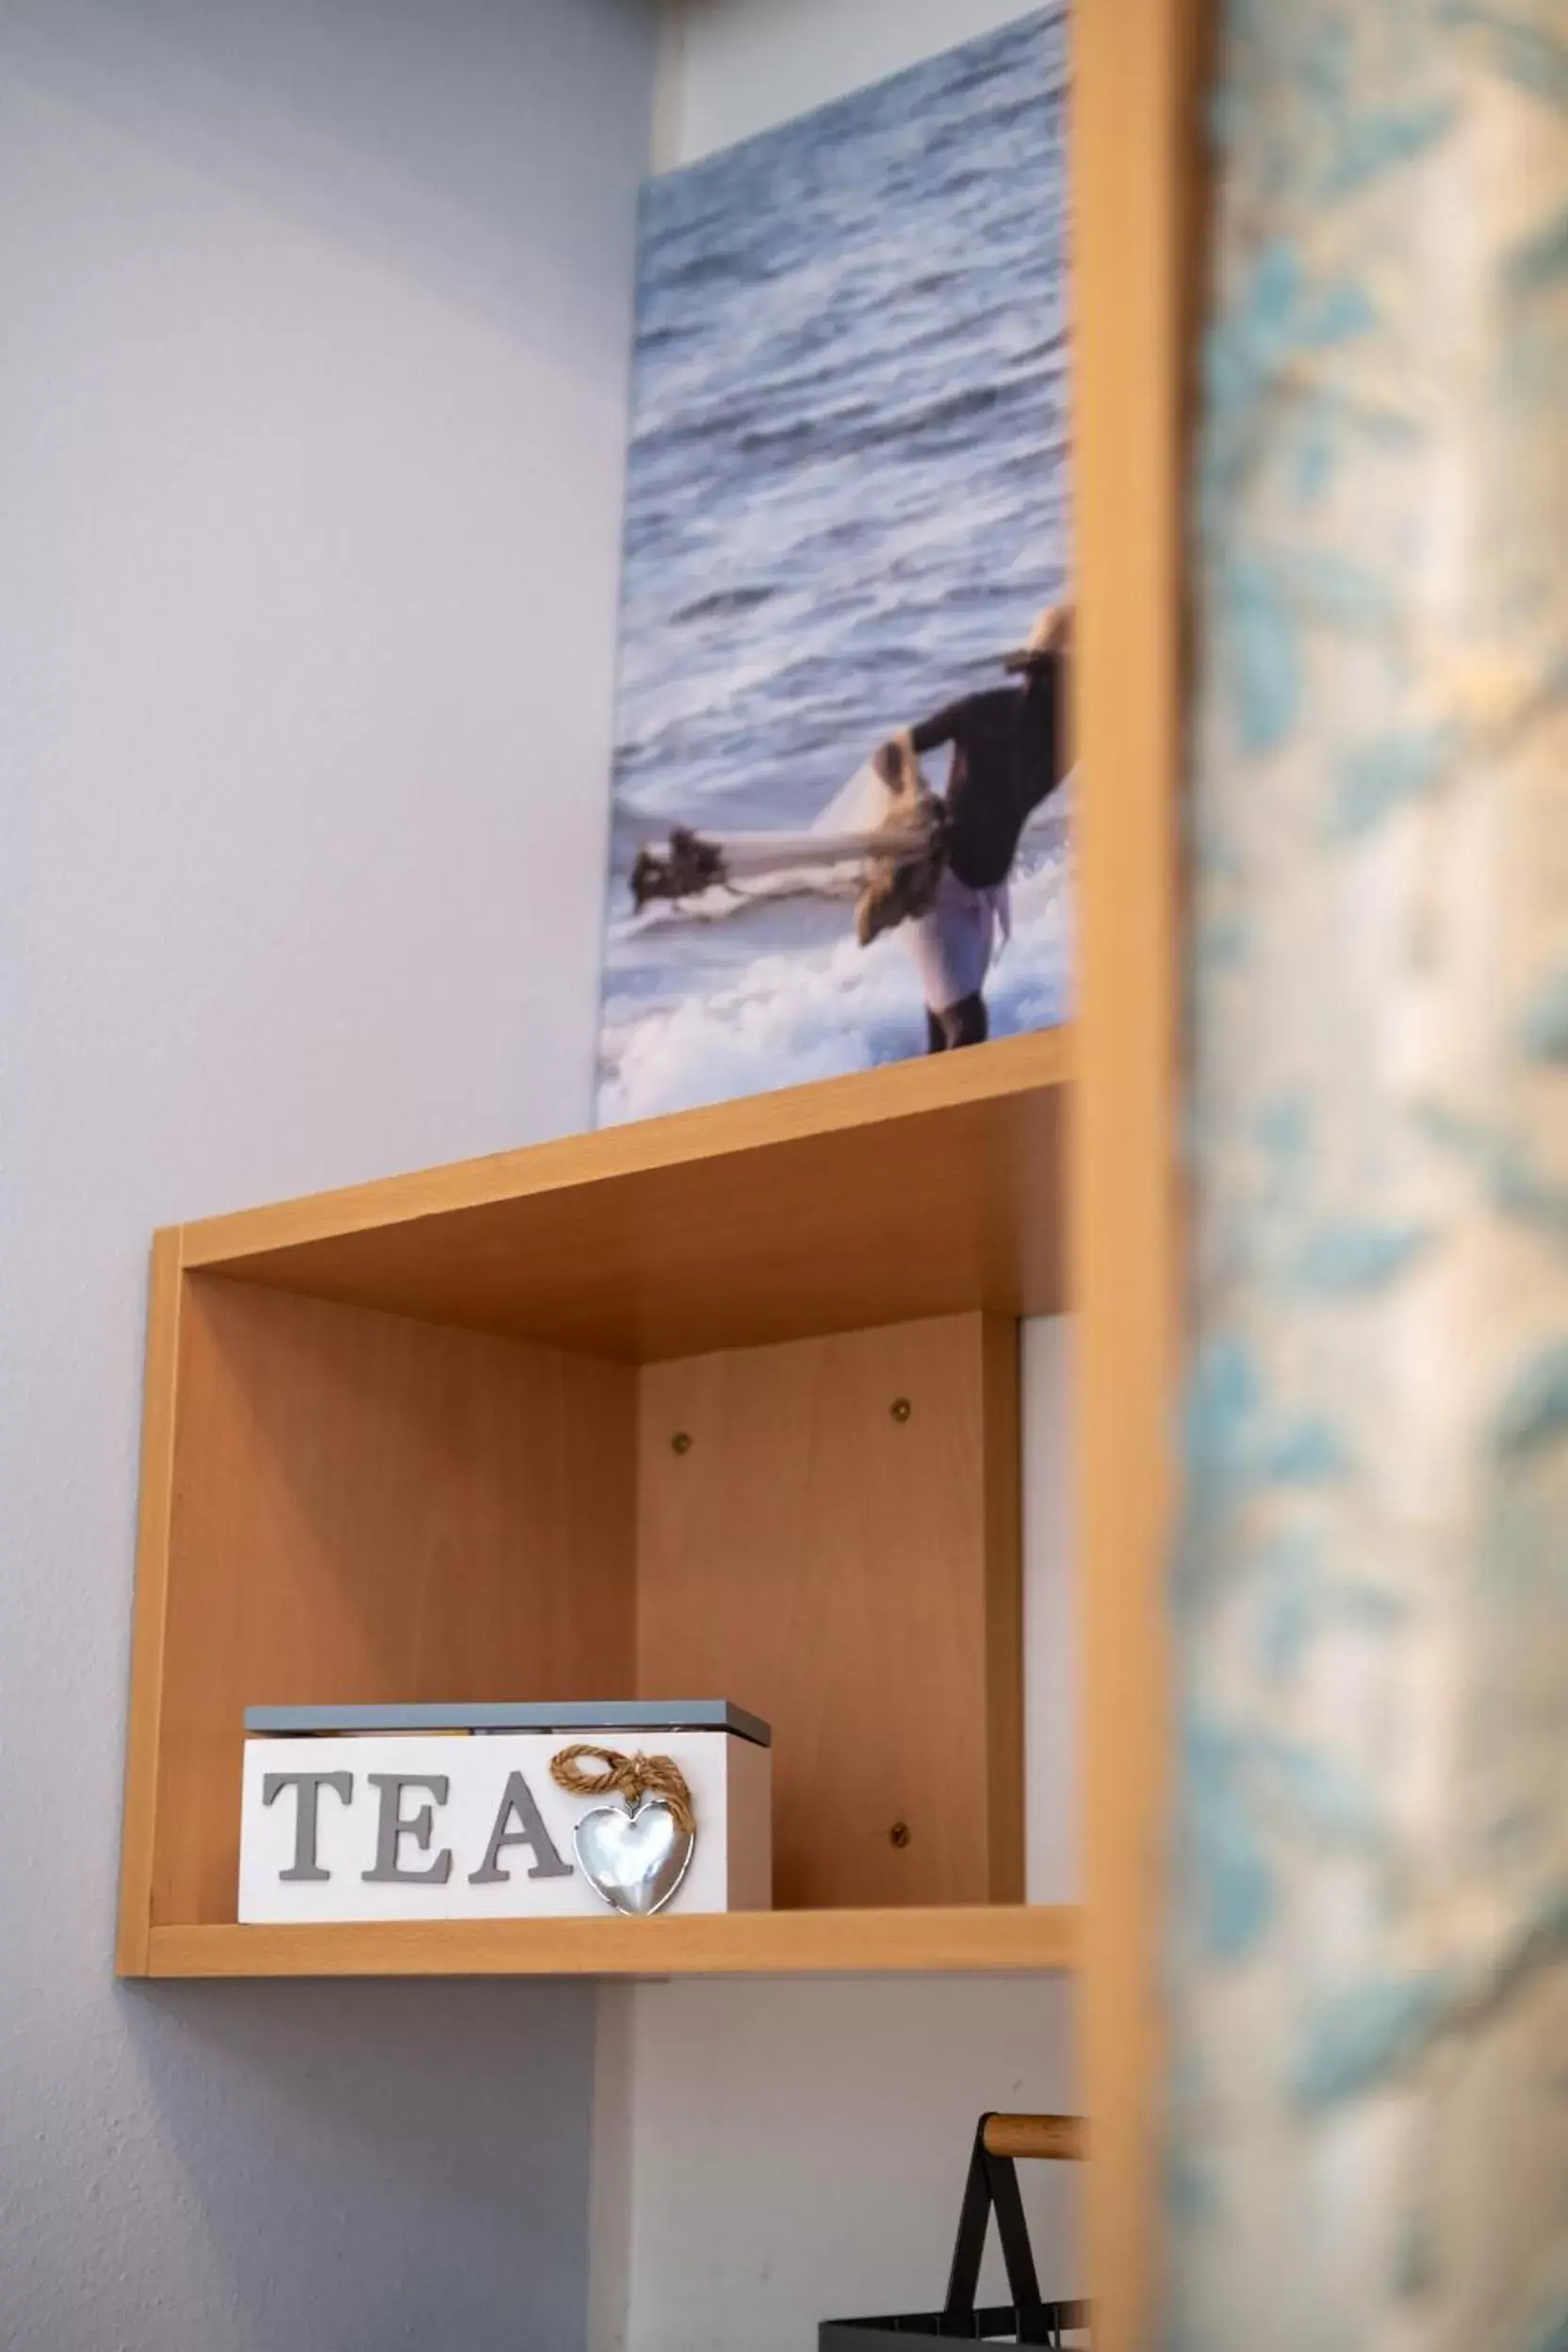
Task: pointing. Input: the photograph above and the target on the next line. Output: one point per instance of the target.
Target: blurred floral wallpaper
(1370, 1972)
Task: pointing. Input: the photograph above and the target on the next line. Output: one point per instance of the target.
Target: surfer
(1009, 752)
(939, 864)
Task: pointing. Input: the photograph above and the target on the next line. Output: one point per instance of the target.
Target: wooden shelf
(413, 1441)
(959, 1939)
(921, 1188)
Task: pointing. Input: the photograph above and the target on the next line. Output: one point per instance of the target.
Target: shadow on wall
(368, 120)
(357, 2164)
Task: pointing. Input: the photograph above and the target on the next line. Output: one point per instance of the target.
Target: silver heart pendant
(633, 1861)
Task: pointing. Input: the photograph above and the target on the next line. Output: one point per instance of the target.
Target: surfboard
(826, 861)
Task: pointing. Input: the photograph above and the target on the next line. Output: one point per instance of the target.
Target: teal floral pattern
(1369, 1974)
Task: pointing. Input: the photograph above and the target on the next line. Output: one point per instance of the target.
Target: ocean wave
(724, 604)
(785, 1018)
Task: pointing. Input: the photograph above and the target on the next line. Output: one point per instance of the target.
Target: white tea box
(460, 1813)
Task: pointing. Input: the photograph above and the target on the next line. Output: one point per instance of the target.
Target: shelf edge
(1040, 1060)
(982, 1938)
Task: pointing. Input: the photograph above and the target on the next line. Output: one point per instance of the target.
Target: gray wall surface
(312, 417)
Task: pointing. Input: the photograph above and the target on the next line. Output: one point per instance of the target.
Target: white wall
(312, 414)
(770, 2154)
(799, 2149)
(730, 68)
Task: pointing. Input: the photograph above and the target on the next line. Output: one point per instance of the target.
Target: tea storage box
(425, 1812)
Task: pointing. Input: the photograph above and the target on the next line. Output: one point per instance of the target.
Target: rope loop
(632, 1777)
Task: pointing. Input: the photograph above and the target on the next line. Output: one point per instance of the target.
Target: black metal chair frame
(992, 2187)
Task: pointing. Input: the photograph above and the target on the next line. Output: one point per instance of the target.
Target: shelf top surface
(1015, 1938)
(920, 1188)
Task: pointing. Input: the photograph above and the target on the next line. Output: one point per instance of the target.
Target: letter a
(530, 1832)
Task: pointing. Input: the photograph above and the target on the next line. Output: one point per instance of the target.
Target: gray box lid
(298, 1723)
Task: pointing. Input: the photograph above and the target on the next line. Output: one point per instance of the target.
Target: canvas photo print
(842, 768)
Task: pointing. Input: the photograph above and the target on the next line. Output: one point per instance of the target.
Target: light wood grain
(144, 1720)
(366, 1508)
(1051, 2139)
(1001, 1550)
(925, 1187)
(854, 1578)
(1133, 171)
(989, 1939)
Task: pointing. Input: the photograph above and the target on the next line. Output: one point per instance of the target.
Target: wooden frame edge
(1137, 188)
(150, 1607)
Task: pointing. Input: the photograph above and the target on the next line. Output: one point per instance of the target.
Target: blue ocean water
(848, 496)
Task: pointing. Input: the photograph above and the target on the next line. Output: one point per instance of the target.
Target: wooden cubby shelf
(414, 1441)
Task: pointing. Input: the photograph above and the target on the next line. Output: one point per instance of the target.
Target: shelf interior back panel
(829, 1529)
(923, 1188)
(372, 1508)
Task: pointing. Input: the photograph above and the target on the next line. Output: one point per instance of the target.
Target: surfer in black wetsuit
(1009, 752)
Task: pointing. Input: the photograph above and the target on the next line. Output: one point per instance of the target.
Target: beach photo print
(842, 776)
